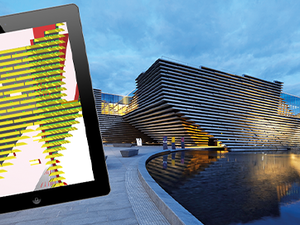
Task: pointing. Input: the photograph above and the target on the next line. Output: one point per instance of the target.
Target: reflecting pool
(232, 188)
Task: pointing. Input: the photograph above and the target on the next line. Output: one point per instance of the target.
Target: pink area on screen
(21, 176)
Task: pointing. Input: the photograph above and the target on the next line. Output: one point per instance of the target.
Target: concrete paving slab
(128, 202)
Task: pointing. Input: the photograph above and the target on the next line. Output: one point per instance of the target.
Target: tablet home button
(36, 200)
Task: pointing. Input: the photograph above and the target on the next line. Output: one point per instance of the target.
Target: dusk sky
(124, 37)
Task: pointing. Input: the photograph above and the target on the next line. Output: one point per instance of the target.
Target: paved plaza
(127, 203)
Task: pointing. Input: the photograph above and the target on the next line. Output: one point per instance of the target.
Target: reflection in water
(165, 162)
(230, 188)
(173, 158)
(178, 167)
(182, 157)
(288, 192)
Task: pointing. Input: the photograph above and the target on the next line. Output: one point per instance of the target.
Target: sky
(123, 38)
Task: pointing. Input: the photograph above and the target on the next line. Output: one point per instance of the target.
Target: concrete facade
(241, 112)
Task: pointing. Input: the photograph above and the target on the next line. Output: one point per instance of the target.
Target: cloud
(123, 38)
(292, 88)
(115, 73)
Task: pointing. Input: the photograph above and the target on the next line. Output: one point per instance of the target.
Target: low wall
(169, 207)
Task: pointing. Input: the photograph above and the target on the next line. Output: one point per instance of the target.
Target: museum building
(203, 105)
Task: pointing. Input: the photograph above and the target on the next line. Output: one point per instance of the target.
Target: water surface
(232, 188)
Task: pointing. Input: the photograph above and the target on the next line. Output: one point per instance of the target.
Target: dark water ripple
(232, 188)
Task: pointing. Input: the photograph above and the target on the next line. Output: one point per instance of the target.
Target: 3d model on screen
(39, 112)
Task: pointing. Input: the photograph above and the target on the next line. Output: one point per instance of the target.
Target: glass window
(292, 101)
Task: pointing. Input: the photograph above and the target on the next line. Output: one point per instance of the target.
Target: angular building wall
(241, 112)
(114, 129)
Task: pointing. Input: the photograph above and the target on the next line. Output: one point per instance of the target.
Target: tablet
(50, 144)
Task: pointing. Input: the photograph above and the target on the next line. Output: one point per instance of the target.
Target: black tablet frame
(100, 186)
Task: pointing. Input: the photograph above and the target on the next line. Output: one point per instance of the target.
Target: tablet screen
(43, 143)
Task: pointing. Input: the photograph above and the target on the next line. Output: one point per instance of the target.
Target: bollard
(182, 142)
(165, 144)
(173, 143)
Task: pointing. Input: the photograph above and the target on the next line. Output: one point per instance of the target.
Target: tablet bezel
(100, 186)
